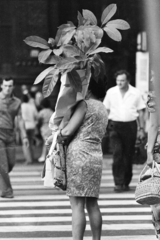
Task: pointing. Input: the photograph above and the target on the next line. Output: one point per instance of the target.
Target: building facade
(22, 18)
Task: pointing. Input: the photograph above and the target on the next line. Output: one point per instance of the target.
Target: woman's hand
(150, 159)
(49, 140)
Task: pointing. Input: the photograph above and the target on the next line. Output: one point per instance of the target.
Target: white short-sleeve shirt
(123, 109)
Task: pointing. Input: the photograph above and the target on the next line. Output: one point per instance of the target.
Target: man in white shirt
(125, 108)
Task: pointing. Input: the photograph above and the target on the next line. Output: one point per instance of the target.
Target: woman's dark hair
(25, 98)
(45, 103)
(121, 72)
(98, 89)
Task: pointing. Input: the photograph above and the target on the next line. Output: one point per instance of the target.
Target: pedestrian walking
(125, 108)
(153, 149)
(44, 116)
(30, 117)
(10, 107)
(84, 160)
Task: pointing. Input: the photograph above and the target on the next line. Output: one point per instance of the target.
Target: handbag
(54, 170)
(148, 187)
(140, 152)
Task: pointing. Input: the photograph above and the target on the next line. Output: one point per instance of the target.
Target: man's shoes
(121, 188)
(126, 188)
(7, 194)
(118, 188)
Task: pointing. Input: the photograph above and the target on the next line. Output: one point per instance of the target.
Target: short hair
(8, 79)
(45, 103)
(121, 72)
(25, 98)
(98, 88)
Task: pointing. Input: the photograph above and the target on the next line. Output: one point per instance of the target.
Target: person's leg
(43, 154)
(156, 219)
(78, 217)
(11, 155)
(95, 217)
(27, 151)
(5, 180)
(129, 139)
(117, 149)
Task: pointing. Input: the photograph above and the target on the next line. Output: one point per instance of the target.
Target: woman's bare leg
(95, 217)
(78, 217)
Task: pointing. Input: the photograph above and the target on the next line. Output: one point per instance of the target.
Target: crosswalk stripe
(64, 203)
(140, 237)
(64, 211)
(69, 219)
(38, 178)
(35, 186)
(47, 212)
(63, 196)
(64, 228)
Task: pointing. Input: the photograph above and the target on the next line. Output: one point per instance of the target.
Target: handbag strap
(143, 170)
(53, 143)
(157, 166)
(154, 164)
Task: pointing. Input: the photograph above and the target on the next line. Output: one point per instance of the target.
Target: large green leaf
(58, 51)
(43, 55)
(119, 24)
(108, 13)
(75, 80)
(101, 49)
(88, 15)
(80, 19)
(52, 59)
(70, 51)
(42, 75)
(37, 42)
(50, 82)
(94, 46)
(62, 31)
(113, 33)
(66, 37)
(71, 23)
(67, 62)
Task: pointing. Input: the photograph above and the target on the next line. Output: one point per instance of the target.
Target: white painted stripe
(23, 173)
(64, 228)
(69, 211)
(63, 196)
(31, 171)
(64, 203)
(139, 237)
(38, 178)
(40, 186)
(69, 219)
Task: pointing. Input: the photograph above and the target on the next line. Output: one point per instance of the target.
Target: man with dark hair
(125, 108)
(10, 108)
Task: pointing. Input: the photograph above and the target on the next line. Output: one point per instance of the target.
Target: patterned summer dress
(151, 105)
(84, 153)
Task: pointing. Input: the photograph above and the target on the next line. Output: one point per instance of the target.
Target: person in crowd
(10, 107)
(30, 117)
(44, 116)
(125, 107)
(36, 97)
(153, 138)
(84, 160)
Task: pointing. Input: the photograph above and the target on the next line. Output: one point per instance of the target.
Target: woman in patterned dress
(153, 152)
(84, 160)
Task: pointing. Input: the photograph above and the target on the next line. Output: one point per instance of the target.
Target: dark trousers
(123, 137)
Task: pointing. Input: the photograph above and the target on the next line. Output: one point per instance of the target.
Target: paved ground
(44, 213)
